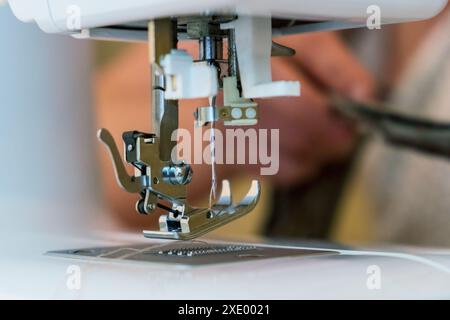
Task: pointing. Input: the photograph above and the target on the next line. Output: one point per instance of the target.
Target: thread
(212, 146)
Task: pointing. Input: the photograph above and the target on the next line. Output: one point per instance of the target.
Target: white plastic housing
(253, 45)
(186, 79)
(57, 16)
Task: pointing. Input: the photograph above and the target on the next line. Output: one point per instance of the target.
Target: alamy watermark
(235, 146)
(73, 20)
(373, 21)
(373, 281)
(73, 281)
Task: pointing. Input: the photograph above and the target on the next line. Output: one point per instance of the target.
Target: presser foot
(196, 222)
(156, 185)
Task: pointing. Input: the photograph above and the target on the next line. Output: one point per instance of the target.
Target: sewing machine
(243, 73)
(160, 181)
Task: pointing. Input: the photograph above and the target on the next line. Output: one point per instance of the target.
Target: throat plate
(188, 253)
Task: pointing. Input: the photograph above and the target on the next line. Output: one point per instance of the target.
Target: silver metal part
(279, 50)
(158, 101)
(233, 67)
(205, 250)
(144, 154)
(189, 253)
(126, 182)
(177, 174)
(205, 115)
(162, 38)
(210, 48)
(196, 222)
(187, 222)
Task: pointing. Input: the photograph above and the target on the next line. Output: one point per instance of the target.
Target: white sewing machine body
(56, 218)
(51, 15)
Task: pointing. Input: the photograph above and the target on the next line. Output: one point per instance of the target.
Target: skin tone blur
(311, 134)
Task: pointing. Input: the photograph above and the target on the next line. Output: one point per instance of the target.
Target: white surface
(26, 273)
(51, 15)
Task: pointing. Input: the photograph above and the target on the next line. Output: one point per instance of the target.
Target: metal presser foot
(160, 182)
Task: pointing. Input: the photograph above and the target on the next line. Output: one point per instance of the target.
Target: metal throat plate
(188, 253)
